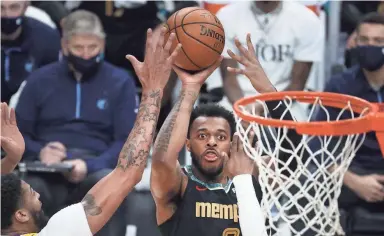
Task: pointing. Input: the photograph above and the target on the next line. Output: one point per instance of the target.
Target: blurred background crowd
(63, 69)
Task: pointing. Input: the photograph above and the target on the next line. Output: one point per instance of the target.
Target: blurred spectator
(364, 181)
(126, 24)
(23, 46)
(80, 111)
(351, 14)
(287, 36)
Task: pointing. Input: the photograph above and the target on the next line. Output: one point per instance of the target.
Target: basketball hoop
(305, 196)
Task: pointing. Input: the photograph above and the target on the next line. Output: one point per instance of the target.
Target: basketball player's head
(83, 41)
(20, 206)
(210, 131)
(12, 16)
(370, 42)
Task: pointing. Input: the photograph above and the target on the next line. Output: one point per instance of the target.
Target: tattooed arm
(167, 178)
(105, 197)
(166, 175)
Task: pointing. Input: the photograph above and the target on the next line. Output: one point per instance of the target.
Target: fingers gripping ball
(201, 35)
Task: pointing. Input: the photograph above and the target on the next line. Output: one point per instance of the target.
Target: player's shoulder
(341, 82)
(116, 74)
(50, 73)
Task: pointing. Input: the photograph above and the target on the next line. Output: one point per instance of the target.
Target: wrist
(268, 89)
(12, 160)
(152, 94)
(194, 87)
(242, 183)
(241, 177)
(351, 180)
(152, 91)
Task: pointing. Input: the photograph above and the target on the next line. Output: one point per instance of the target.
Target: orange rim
(368, 122)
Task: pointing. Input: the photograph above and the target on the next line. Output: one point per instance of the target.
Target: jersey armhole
(183, 183)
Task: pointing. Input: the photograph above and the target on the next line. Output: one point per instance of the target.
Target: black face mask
(10, 25)
(370, 58)
(85, 66)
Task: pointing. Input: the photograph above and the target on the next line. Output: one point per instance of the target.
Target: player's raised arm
(105, 197)
(11, 140)
(240, 169)
(167, 179)
(260, 82)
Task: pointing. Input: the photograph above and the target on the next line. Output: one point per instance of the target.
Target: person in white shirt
(287, 37)
(21, 211)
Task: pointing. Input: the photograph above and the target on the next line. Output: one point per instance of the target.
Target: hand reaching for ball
(155, 71)
(253, 70)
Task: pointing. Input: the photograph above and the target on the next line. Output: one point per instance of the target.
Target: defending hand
(253, 70)
(238, 161)
(155, 71)
(11, 139)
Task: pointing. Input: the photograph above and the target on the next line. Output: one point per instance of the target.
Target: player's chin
(213, 166)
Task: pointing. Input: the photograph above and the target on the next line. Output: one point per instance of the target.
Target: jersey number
(231, 232)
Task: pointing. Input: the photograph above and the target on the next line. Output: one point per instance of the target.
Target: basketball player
(21, 209)
(200, 199)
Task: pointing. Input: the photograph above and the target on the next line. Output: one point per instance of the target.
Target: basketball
(201, 35)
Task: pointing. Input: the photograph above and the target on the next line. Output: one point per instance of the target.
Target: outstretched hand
(252, 68)
(198, 78)
(11, 139)
(155, 70)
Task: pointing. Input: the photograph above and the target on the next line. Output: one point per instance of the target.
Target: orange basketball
(201, 36)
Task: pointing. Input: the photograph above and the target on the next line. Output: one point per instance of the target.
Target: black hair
(213, 110)
(10, 198)
(371, 18)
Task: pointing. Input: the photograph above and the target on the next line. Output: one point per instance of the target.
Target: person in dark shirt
(364, 181)
(79, 111)
(125, 24)
(26, 45)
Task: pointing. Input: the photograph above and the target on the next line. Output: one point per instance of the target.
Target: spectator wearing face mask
(79, 111)
(364, 180)
(26, 45)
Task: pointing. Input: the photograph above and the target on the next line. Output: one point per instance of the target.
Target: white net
(300, 176)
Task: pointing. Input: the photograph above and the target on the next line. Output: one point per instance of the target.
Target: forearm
(136, 148)
(172, 135)
(32, 148)
(250, 213)
(8, 164)
(230, 84)
(350, 179)
(104, 198)
(233, 91)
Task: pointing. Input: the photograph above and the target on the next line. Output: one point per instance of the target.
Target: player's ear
(22, 215)
(188, 145)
